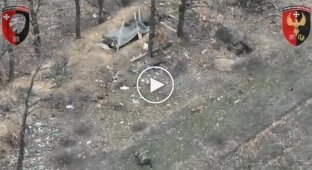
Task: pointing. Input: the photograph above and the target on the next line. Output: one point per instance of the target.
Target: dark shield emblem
(15, 23)
(296, 24)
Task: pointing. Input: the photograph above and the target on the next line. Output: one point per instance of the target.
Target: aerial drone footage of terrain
(227, 88)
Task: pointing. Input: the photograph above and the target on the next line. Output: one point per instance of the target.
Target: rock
(124, 88)
(69, 107)
(135, 101)
(37, 140)
(39, 124)
(204, 51)
(145, 47)
(143, 158)
(103, 46)
(118, 106)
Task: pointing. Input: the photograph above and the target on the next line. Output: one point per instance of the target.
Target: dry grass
(87, 60)
(84, 52)
(9, 136)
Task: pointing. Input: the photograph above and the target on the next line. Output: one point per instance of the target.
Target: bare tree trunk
(101, 20)
(78, 32)
(152, 28)
(23, 126)
(11, 65)
(36, 30)
(37, 48)
(182, 9)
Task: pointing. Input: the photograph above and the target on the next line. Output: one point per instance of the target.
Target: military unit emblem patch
(15, 23)
(296, 24)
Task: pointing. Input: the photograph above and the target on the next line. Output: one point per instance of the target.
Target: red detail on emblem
(288, 30)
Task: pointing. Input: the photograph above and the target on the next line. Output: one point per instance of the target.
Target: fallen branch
(172, 16)
(155, 50)
(167, 26)
(138, 57)
(275, 14)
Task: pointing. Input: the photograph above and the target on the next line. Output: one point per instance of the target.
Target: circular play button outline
(138, 81)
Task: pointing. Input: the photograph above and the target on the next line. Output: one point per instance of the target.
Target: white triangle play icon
(155, 85)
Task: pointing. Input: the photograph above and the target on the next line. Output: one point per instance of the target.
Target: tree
(37, 49)
(24, 119)
(35, 25)
(11, 64)
(101, 20)
(182, 9)
(78, 31)
(152, 28)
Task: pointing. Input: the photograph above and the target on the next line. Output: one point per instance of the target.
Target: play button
(155, 85)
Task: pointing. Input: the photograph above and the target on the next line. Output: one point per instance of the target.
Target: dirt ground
(242, 96)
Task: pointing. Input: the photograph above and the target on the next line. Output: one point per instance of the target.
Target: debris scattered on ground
(143, 158)
(9, 136)
(169, 44)
(198, 109)
(236, 40)
(124, 88)
(145, 47)
(135, 101)
(103, 46)
(118, 106)
(70, 107)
